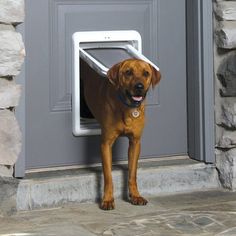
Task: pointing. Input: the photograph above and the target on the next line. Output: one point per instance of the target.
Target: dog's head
(132, 78)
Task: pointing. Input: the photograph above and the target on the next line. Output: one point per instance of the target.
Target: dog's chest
(131, 116)
(133, 119)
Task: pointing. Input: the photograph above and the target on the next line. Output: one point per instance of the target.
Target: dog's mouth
(131, 100)
(135, 99)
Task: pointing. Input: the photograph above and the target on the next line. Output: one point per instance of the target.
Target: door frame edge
(200, 85)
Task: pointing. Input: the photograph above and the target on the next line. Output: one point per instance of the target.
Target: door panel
(49, 139)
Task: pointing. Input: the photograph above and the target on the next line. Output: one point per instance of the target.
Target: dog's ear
(113, 74)
(156, 76)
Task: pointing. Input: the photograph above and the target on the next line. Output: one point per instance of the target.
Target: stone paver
(200, 213)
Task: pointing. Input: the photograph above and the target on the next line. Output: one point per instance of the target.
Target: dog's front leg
(133, 153)
(106, 151)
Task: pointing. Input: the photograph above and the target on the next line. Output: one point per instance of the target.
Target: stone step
(168, 176)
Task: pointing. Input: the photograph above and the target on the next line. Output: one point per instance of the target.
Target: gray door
(49, 25)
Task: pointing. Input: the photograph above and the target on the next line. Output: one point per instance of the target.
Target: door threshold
(162, 161)
(163, 177)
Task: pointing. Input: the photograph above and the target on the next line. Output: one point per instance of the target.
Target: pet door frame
(128, 40)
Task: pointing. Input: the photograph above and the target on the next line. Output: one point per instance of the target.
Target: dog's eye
(128, 72)
(145, 73)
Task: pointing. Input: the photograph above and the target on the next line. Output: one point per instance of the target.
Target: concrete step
(155, 177)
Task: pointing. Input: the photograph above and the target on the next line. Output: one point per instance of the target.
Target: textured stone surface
(225, 105)
(10, 138)
(6, 27)
(226, 10)
(12, 52)
(227, 75)
(6, 171)
(12, 55)
(8, 188)
(11, 11)
(9, 93)
(197, 213)
(228, 117)
(226, 35)
(226, 138)
(226, 165)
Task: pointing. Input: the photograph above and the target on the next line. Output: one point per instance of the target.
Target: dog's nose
(139, 86)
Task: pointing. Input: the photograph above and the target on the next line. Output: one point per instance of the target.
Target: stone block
(8, 195)
(12, 51)
(6, 171)
(228, 117)
(12, 11)
(225, 35)
(226, 166)
(226, 10)
(10, 138)
(227, 75)
(225, 138)
(9, 93)
(52, 191)
(6, 27)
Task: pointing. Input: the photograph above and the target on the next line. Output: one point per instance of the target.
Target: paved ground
(202, 213)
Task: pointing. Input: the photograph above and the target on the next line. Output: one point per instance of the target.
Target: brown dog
(118, 106)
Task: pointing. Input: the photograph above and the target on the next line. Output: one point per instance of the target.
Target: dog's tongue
(137, 98)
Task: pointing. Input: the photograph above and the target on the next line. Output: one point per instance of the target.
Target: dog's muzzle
(133, 98)
(139, 93)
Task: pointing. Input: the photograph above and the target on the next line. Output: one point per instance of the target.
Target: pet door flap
(101, 59)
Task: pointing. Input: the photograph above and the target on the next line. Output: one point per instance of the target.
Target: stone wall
(12, 55)
(225, 96)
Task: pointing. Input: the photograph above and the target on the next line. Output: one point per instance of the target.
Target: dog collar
(123, 100)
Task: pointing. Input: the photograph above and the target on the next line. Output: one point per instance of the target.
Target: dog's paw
(138, 200)
(108, 205)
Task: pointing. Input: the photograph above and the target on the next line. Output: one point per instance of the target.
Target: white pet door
(100, 50)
